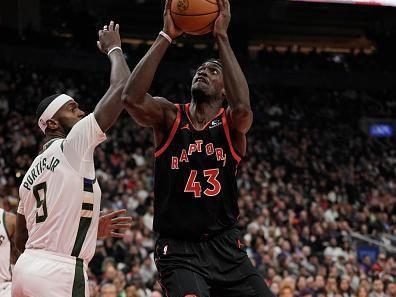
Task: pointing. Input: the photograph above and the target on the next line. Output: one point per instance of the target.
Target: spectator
(274, 288)
(331, 287)
(378, 289)
(108, 290)
(344, 287)
(93, 289)
(362, 292)
(309, 180)
(391, 289)
(147, 270)
(286, 291)
(131, 291)
(301, 283)
(306, 293)
(156, 293)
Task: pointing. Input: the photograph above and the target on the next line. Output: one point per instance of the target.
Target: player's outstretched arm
(236, 86)
(109, 107)
(144, 109)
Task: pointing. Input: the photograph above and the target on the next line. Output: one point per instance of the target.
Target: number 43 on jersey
(196, 188)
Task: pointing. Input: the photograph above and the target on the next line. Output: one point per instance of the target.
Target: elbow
(126, 100)
(130, 101)
(242, 118)
(242, 111)
(119, 84)
(127, 96)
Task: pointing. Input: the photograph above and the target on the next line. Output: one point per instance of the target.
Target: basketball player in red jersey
(199, 145)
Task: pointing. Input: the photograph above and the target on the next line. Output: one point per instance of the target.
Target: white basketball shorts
(5, 289)
(39, 273)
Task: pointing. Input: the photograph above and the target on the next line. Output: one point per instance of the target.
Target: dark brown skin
(10, 226)
(21, 233)
(210, 86)
(106, 112)
(109, 107)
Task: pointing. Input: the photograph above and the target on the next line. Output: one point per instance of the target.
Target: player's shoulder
(163, 100)
(51, 148)
(169, 108)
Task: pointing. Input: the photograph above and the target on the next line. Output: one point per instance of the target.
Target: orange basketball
(195, 17)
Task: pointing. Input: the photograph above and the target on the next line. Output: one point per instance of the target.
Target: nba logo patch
(165, 250)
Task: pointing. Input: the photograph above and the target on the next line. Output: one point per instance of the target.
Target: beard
(67, 126)
(199, 94)
(67, 129)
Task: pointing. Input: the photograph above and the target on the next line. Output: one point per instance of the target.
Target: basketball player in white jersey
(110, 224)
(7, 230)
(58, 212)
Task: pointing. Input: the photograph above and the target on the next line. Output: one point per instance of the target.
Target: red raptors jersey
(195, 184)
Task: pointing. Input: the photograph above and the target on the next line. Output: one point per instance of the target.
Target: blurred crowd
(317, 195)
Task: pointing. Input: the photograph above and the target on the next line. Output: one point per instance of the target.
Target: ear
(53, 124)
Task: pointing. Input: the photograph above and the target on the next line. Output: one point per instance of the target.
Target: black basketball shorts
(217, 267)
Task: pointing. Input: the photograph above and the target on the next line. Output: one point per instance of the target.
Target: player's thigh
(184, 283)
(38, 277)
(5, 289)
(251, 286)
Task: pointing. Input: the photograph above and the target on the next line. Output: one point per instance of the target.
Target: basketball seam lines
(201, 14)
(201, 28)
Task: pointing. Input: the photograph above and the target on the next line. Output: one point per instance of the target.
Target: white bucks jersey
(60, 197)
(5, 250)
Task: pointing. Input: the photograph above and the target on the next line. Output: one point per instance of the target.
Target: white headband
(51, 109)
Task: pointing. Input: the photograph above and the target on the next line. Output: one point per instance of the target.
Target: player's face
(68, 115)
(208, 80)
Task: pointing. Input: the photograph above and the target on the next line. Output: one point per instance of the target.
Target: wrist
(165, 35)
(114, 49)
(221, 35)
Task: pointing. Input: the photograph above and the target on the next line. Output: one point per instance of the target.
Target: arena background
(318, 185)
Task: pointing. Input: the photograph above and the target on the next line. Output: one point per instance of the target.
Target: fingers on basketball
(195, 17)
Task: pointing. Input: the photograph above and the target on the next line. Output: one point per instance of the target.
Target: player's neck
(204, 111)
(52, 136)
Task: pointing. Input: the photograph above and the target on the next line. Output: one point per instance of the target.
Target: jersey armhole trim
(5, 225)
(234, 153)
(176, 123)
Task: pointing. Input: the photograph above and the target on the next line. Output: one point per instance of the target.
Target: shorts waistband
(199, 237)
(67, 259)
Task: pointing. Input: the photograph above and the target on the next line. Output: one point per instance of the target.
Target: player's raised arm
(143, 108)
(235, 84)
(109, 107)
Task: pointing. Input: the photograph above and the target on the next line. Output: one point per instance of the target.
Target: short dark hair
(214, 61)
(44, 104)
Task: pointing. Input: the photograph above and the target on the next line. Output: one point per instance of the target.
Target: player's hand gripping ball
(195, 17)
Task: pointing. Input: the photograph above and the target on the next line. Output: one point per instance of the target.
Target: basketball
(195, 17)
